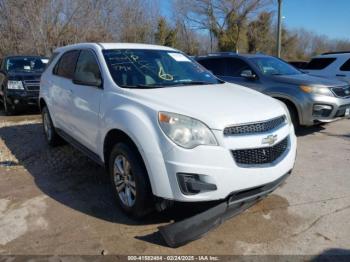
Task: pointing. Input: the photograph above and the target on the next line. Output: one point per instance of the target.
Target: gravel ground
(56, 201)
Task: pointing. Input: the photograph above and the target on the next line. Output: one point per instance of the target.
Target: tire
(129, 181)
(52, 138)
(9, 110)
(294, 116)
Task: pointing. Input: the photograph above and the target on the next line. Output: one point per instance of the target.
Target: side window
(87, 71)
(320, 63)
(215, 65)
(345, 66)
(235, 66)
(66, 65)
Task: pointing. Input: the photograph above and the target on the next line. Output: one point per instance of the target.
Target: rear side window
(320, 63)
(66, 65)
(345, 66)
(215, 65)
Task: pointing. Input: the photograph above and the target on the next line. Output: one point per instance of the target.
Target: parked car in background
(298, 64)
(310, 99)
(20, 81)
(166, 129)
(330, 65)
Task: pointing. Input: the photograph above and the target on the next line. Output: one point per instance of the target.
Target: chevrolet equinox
(164, 127)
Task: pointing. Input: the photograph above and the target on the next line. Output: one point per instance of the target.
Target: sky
(325, 17)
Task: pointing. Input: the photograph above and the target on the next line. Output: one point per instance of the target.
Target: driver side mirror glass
(248, 74)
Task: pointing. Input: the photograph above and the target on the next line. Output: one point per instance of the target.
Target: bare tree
(224, 19)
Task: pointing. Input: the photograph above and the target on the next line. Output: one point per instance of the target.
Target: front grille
(32, 85)
(252, 128)
(258, 156)
(342, 91)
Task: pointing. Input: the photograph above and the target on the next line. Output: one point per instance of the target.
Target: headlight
(185, 131)
(288, 118)
(320, 90)
(15, 85)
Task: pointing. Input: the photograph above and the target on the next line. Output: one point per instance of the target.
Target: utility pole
(279, 29)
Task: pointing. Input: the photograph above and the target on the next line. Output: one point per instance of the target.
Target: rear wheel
(52, 138)
(130, 180)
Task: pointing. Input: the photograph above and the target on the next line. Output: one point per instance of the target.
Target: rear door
(60, 90)
(215, 64)
(85, 100)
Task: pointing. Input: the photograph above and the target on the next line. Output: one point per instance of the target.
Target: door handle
(340, 75)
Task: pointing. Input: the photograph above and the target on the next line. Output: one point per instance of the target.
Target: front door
(85, 100)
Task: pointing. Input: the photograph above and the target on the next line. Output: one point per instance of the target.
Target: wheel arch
(291, 103)
(42, 103)
(159, 183)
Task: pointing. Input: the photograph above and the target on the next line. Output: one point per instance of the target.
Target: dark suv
(20, 81)
(309, 99)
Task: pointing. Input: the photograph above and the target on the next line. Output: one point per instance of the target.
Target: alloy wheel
(124, 181)
(47, 126)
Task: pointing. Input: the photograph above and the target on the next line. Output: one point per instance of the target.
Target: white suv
(330, 65)
(165, 128)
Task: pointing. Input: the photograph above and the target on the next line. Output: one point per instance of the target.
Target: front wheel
(9, 110)
(130, 180)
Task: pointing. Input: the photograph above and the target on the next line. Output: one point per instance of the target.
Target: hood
(21, 75)
(306, 79)
(218, 106)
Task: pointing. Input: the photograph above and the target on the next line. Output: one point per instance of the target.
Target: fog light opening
(322, 110)
(190, 184)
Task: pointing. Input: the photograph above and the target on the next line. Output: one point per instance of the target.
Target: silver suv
(310, 99)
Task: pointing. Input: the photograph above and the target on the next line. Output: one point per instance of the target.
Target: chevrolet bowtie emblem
(270, 140)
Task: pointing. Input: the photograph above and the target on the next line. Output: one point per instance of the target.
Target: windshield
(139, 68)
(27, 64)
(274, 66)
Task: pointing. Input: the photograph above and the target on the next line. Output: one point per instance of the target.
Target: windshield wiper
(140, 86)
(193, 83)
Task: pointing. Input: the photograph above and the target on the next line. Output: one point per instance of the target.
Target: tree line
(193, 26)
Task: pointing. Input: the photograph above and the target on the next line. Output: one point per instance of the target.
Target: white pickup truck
(165, 128)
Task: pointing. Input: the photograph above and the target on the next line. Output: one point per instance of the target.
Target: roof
(337, 52)
(106, 46)
(19, 56)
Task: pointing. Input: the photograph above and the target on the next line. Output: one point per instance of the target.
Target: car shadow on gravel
(69, 177)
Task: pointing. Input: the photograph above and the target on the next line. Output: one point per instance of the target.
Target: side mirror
(88, 79)
(248, 74)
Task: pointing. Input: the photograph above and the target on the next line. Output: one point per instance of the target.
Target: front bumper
(20, 99)
(215, 165)
(339, 109)
(192, 228)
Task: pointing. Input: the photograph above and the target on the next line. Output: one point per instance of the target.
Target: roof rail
(336, 52)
